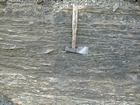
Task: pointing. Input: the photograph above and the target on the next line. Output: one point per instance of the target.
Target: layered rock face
(36, 70)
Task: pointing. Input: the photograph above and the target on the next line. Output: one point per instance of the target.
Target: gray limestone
(36, 70)
(5, 101)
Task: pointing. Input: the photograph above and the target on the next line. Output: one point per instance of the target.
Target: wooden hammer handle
(74, 25)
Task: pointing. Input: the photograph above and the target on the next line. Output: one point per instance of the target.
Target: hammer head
(72, 50)
(79, 50)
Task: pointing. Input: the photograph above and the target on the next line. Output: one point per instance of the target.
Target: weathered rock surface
(5, 101)
(35, 69)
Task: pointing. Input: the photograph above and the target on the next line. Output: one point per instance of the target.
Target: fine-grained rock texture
(35, 69)
(5, 101)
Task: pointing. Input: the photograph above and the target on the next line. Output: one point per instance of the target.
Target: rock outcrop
(36, 70)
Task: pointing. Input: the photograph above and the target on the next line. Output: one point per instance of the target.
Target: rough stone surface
(35, 69)
(5, 101)
(2, 0)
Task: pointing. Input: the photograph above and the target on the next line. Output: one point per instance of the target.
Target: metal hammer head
(79, 50)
